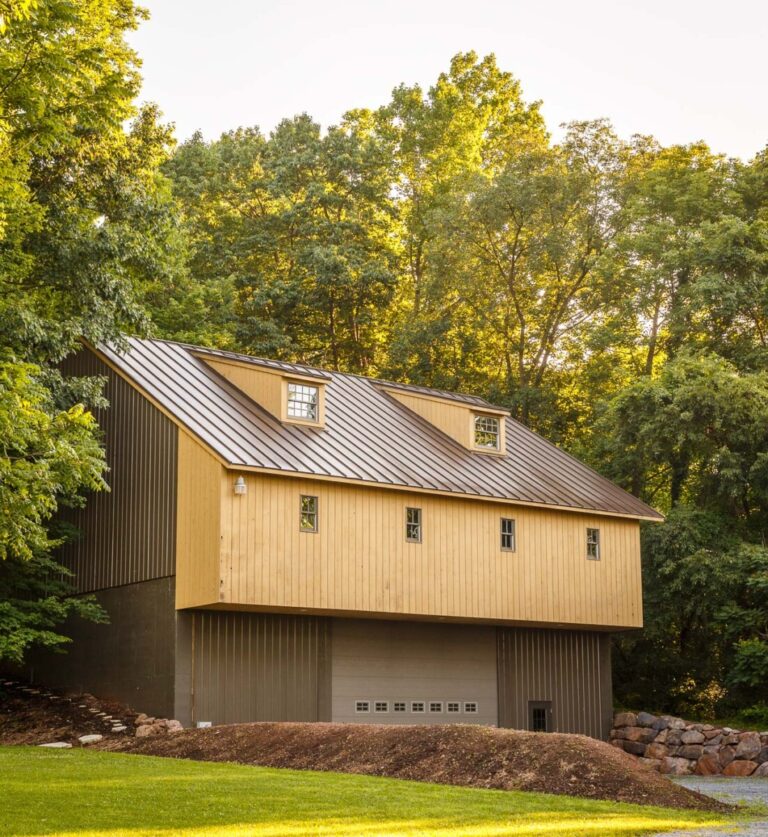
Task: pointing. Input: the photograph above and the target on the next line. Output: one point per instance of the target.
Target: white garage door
(413, 673)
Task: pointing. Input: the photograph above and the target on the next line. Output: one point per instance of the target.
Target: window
(362, 706)
(593, 544)
(539, 715)
(381, 706)
(507, 534)
(417, 706)
(487, 432)
(470, 707)
(303, 402)
(413, 525)
(308, 514)
(398, 706)
(453, 706)
(435, 706)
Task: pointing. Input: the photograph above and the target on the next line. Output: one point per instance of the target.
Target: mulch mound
(471, 756)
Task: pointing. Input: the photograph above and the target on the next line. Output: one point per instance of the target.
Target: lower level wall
(257, 667)
(416, 665)
(130, 659)
(568, 672)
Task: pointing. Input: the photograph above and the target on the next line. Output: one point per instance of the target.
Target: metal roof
(368, 436)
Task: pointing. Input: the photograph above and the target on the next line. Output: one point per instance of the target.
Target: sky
(680, 70)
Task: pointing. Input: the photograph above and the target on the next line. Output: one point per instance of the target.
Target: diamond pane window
(302, 402)
(487, 432)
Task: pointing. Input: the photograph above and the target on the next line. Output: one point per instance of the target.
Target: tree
(85, 222)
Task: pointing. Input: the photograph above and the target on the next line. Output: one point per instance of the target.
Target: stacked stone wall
(672, 745)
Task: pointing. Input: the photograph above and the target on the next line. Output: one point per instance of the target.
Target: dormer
(474, 424)
(293, 395)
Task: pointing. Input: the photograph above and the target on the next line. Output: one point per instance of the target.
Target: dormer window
(303, 402)
(487, 432)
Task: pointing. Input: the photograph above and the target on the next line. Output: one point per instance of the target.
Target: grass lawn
(82, 792)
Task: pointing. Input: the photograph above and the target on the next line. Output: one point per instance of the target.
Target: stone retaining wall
(671, 745)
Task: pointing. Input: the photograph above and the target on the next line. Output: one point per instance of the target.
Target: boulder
(625, 719)
(652, 764)
(141, 718)
(762, 770)
(749, 746)
(661, 737)
(635, 748)
(145, 730)
(726, 755)
(707, 766)
(677, 723)
(692, 736)
(90, 739)
(175, 726)
(656, 751)
(119, 728)
(713, 736)
(762, 756)
(645, 719)
(675, 766)
(57, 745)
(661, 723)
(674, 737)
(642, 734)
(691, 751)
(617, 743)
(740, 767)
(619, 732)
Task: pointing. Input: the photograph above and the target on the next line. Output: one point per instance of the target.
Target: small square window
(593, 544)
(470, 707)
(435, 706)
(303, 402)
(540, 715)
(413, 525)
(417, 706)
(487, 432)
(308, 513)
(381, 706)
(398, 706)
(362, 706)
(453, 706)
(507, 534)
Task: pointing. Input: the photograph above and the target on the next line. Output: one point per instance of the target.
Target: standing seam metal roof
(368, 435)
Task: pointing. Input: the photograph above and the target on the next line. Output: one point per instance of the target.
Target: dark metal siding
(570, 668)
(368, 436)
(130, 660)
(127, 534)
(259, 667)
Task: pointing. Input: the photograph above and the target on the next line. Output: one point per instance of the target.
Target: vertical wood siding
(570, 668)
(259, 667)
(198, 544)
(127, 534)
(359, 560)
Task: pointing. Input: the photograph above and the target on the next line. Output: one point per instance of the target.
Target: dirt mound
(473, 756)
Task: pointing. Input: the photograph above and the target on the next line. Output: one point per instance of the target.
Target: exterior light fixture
(240, 486)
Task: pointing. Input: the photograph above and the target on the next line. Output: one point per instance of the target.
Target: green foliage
(87, 227)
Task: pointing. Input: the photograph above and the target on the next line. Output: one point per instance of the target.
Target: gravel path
(729, 790)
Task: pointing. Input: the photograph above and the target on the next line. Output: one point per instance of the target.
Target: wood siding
(127, 535)
(572, 669)
(198, 539)
(454, 418)
(259, 667)
(360, 562)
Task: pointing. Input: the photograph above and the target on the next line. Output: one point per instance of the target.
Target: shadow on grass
(88, 793)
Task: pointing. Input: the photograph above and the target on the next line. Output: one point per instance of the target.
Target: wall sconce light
(240, 486)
